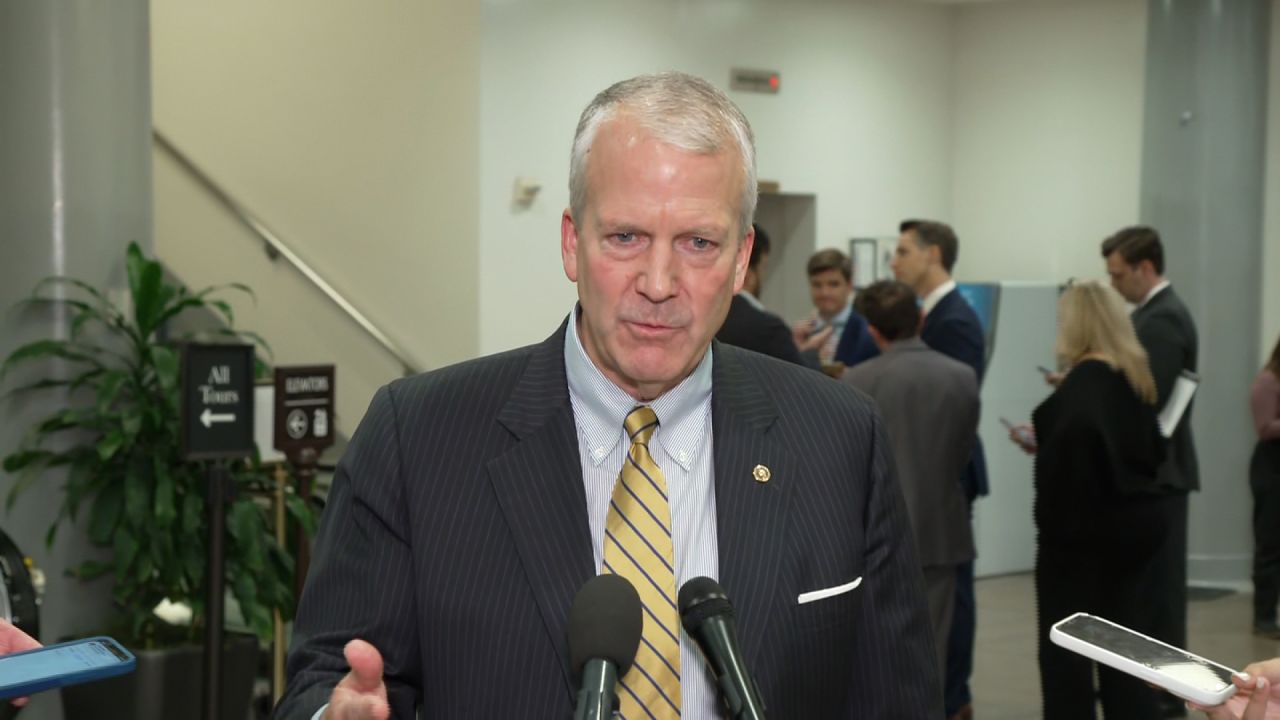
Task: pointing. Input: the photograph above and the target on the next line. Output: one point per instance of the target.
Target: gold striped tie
(637, 546)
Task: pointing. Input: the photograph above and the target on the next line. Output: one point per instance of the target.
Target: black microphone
(708, 616)
(604, 633)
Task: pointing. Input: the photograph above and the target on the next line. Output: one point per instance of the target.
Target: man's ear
(742, 260)
(877, 337)
(569, 245)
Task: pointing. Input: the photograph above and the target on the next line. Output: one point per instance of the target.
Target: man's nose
(659, 276)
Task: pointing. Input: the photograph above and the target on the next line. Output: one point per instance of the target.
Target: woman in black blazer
(1099, 522)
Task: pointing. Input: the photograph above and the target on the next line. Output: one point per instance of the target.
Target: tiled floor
(1006, 683)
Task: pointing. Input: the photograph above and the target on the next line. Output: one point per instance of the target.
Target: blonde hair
(1093, 320)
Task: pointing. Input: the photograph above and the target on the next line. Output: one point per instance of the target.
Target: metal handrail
(277, 248)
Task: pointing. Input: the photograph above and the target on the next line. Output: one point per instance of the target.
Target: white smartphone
(1188, 676)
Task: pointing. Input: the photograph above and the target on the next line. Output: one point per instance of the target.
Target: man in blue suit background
(924, 258)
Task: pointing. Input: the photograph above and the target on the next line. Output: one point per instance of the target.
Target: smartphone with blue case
(70, 663)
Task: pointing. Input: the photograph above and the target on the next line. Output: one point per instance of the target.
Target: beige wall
(353, 133)
(1048, 134)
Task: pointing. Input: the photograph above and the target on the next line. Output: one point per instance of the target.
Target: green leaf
(192, 513)
(165, 361)
(109, 445)
(301, 512)
(193, 563)
(109, 388)
(165, 511)
(137, 497)
(105, 514)
(146, 285)
(47, 349)
(227, 312)
(25, 458)
(90, 569)
(125, 549)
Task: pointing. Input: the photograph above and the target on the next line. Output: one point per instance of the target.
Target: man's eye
(623, 238)
(699, 243)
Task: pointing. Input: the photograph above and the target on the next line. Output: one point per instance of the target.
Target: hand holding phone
(31, 671)
(1052, 377)
(1188, 676)
(1021, 435)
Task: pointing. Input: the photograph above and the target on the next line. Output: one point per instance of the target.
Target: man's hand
(1257, 696)
(13, 640)
(805, 341)
(1054, 379)
(1024, 436)
(361, 695)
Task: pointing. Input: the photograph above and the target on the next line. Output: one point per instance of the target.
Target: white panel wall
(1048, 135)
(863, 120)
(1270, 329)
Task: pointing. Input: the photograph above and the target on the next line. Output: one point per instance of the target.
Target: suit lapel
(751, 516)
(539, 486)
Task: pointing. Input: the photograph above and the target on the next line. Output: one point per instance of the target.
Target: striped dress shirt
(682, 448)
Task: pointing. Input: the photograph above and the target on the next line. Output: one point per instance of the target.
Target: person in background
(1099, 519)
(831, 286)
(748, 325)
(924, 258)
(1136, 263)
(1264, 480)
(930, 407)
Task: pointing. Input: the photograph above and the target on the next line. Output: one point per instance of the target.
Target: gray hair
(680, 110)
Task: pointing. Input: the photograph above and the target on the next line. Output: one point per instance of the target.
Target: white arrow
(209, 417)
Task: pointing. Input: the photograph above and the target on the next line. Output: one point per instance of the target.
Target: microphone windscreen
(605, 622)
(701, 598)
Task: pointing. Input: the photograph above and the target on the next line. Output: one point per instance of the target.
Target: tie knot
(640, 424)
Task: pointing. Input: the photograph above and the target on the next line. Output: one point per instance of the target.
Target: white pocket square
(829, 592)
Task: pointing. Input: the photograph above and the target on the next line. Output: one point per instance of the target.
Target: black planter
(167, 686)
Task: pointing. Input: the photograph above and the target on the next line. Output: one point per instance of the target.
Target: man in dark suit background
(474, 501)
(831, 287)
(930, 407)
(1135, 262)
(748, 325)
(924, 259)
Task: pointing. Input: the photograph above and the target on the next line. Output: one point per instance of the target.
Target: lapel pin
(761, 474)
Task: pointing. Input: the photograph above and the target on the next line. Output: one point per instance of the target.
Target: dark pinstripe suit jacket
(456, 536)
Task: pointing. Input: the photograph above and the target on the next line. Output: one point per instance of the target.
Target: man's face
(1127, 279)
(830, 291)
(657, 256)
(910, 260)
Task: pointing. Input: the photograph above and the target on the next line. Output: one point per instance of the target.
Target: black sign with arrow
(304, 408)
(217, 401)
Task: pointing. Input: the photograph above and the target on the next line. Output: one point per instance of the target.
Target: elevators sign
(304, 408)
(217, 401)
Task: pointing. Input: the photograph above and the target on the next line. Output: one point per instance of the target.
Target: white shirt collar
(931, 300)
(752, 299)
(681, 410)
(1152, 293)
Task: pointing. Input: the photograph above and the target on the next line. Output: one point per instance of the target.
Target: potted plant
(117, 442)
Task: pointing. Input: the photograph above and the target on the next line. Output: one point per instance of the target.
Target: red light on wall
(774, 82)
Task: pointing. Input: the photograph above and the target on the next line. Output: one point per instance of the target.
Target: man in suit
(474, 501)
(748, 325)
(1135, 262)
(830, 287)
(924, 258)
(930, 407)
